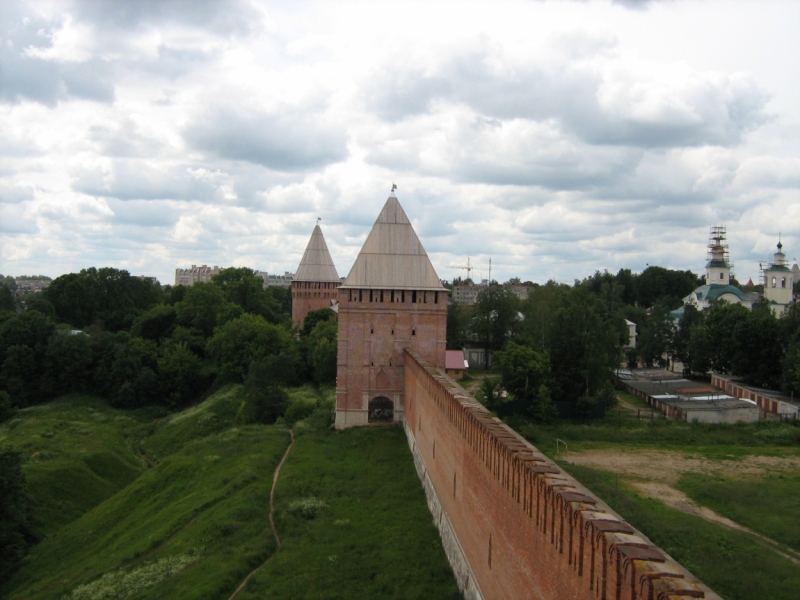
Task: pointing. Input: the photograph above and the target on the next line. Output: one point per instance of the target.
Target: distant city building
(270, 279)
(467, 293)
(205, 273)
(521, 290)
(631, 334)
(26, 283)
(191, 276)
(778, 283)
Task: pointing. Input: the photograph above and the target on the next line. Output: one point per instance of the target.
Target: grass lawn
(77, 452)
(742, 439)
(732, 563)
(373, 539)
(183, 513)
(206, 505)
(769, 505)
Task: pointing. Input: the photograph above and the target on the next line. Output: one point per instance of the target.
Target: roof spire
(317, 264)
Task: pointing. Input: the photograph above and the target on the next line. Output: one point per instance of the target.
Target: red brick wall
(527, 529)
(374, 328)
(311, 295)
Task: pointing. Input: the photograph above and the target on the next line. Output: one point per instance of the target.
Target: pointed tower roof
(317, 264)
(393, 257)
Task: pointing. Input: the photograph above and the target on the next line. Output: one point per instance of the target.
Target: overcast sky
(557, 138)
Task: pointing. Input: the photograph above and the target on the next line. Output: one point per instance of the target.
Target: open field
(191, 518)
(721, 499)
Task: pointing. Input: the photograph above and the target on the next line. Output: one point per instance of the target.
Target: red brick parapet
(522, 526)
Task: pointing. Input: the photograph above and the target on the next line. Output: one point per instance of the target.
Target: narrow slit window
(413, 331)
(414, 296)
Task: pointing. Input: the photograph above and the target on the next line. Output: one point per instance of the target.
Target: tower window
(403, 296)
(414, 297)
(392, 330)
(371, 329)
(436, 297)
(360, 296)
(783, 282)
(773, 282)
(381, 295)
(413, 331)
(721, 276)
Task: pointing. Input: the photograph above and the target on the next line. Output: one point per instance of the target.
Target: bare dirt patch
(653, 474)
(668, 466)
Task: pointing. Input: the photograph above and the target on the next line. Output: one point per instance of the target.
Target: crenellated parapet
(523, 527)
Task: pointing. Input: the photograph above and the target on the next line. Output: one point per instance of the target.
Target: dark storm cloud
(635, 111)
(287, 142)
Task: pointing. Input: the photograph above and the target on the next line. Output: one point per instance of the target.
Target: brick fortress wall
(515, 525)
(374, 328)
(311, 295)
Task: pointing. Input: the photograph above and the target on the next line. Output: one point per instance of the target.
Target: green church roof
(715, 290)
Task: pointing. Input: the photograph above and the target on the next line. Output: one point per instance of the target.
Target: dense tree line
(557, 347)
(727, 338)
(563, 342)
(135, 342)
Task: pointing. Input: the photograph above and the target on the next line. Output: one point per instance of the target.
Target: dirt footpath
(654, 473)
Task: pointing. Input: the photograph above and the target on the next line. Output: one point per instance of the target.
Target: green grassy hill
(187, 514)
(78, 452)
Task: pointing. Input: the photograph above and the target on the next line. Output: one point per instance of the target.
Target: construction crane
(469, 268)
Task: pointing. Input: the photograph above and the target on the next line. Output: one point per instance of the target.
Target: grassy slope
(212, 498)
(769, 505)
(375, 539)
(78, 452)
(206, 501)
(732, 563)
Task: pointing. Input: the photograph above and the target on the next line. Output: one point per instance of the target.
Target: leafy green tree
(7, 409)
(111, 298)
(68, 363)
(156, 323)
(133, 378)
(523, 370)
(720, 323)
(204, 307)
(495, 314)
(544, 409)
(193, 338)
(42, 304)
(489, 392)
(683, 334)
(314, 317)
(23, 343)
(7, 301)
(181, 374)
(282, 295)
(758, 354)
(242, 341)
(19, 374)
(265, 397)
(655, 337)
(458, 319)
(323, 343)
(246, 289)
(16, 530)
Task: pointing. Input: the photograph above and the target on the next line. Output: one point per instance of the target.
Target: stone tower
(314, 285)
(718, 268)
(392, 299)
(778, 282)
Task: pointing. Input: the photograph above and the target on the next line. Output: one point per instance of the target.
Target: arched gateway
(381, 410)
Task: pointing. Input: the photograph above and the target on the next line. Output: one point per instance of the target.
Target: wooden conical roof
(317, 264)
(393, 257)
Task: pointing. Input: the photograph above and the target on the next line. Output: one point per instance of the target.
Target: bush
(308, 508)
(298, 410)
